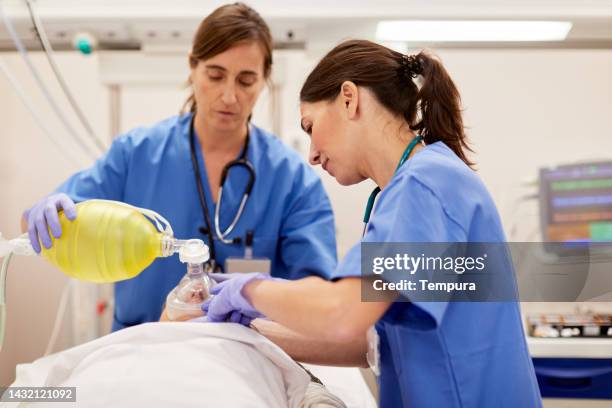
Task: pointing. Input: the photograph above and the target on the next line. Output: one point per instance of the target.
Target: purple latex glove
(228, 303)
(43, 216)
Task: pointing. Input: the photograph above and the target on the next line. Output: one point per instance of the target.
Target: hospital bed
(191, 364)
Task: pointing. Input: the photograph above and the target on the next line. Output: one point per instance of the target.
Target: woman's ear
(192, 65)
(349, 96)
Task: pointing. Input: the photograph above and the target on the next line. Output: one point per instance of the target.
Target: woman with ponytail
(374, 113)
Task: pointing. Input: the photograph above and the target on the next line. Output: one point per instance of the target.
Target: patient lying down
(184, 303)
(179, 364)
(193, 363)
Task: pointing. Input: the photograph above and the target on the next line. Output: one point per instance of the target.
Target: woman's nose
(314, 157)
(229, 94)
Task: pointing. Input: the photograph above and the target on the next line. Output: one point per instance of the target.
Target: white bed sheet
(189, 368)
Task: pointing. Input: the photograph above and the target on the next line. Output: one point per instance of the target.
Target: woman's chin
(348, 180)
(223, 124)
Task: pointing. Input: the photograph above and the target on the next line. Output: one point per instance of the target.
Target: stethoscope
(241, 161)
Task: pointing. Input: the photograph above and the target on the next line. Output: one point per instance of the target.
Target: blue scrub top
(445, 354)
(151, 167)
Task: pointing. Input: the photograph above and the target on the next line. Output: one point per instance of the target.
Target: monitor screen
(576, 204)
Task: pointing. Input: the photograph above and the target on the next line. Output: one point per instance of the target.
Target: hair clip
(411, 66)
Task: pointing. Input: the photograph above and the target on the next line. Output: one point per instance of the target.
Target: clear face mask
(185, 300)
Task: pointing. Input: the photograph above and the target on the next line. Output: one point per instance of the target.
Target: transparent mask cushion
(186, 299)
(194, 290)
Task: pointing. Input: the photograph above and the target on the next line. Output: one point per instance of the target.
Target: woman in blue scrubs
(369, 119)
(288, 213)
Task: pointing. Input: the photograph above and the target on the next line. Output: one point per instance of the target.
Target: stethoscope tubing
(242, 161)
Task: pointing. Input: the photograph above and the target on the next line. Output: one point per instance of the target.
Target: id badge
(244, 265)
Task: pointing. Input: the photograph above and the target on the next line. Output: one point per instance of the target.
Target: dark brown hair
(433, 111)
(224, 28)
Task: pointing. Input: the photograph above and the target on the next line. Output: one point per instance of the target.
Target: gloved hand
(43, 216)
(228, 302)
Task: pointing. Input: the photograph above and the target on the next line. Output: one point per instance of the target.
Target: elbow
(347, 333)
(343, 326)
(350, 332)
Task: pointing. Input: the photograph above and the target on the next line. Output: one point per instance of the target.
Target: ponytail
(439, 104)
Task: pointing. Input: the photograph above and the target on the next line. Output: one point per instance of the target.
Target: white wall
(524, 109)
(31, 166)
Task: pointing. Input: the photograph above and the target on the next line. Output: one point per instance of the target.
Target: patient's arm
(312, 350)
(306, 349)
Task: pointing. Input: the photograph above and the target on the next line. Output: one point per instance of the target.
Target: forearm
(295, 303)
(308, 349)
(331, 311)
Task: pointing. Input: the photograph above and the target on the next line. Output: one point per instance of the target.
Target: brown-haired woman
(175, 168)
(368, 118)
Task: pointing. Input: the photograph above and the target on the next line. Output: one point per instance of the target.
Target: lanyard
(370, 205)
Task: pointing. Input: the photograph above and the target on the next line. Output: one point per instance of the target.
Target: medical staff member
(175, 168)
(368, 119)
